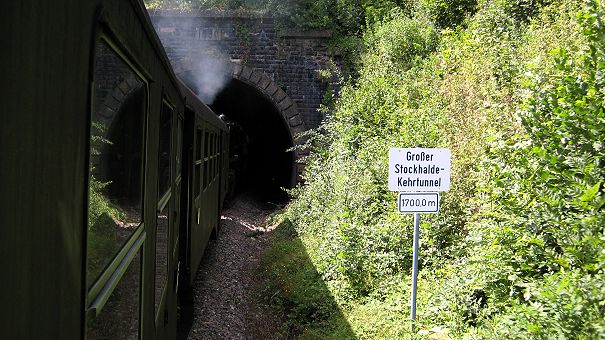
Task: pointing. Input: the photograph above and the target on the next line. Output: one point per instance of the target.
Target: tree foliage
(547, 191)
(515, 90)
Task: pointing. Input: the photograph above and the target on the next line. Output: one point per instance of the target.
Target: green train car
(112, 174)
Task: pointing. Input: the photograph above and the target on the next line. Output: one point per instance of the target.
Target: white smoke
(210, 75)
(206, 67)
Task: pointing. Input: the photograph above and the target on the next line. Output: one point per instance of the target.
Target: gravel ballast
(228, 286)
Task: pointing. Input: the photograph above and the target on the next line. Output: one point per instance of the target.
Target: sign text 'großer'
(419, 169)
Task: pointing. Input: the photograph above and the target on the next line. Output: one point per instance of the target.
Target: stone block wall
(291, 61)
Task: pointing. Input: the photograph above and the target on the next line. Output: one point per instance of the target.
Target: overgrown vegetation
(515, 89)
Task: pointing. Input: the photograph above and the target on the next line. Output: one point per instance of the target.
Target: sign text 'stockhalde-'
(419, 169)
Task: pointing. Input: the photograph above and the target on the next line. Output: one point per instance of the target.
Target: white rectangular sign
(418, 202)
(419, 169)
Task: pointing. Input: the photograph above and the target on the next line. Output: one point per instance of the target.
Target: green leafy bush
(450, 13)
(515, 89)
(548, 197)
(524, 10)
(403, 40)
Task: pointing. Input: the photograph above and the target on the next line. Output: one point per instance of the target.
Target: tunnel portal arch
(247, 79)
(282, 102)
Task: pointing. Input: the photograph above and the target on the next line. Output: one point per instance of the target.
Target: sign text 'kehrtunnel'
(419, 169)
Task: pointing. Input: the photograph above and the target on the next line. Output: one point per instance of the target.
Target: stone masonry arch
(267, 87)
(286, 106)
(284, 66)
(282, 102)
(273, 93)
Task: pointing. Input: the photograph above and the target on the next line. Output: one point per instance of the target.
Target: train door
(197, 241)
(116, 228)
(172, 302)
(211, 182)
(190, 183)
(166, 223)
(178, 197)
(187, 180)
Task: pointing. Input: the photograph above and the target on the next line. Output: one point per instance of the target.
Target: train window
(206, 139)
(164, 198)
(216, 155)
(214, 152)
(206, 152)
(198, 138)
(211, 159)
(179, 147)
(164, 149)
(119, 98)
(220, 154)
(120, 317)
(198, 163)
(205, 173)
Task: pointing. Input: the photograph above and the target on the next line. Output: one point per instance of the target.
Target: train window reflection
(116, 144)
(119, 318)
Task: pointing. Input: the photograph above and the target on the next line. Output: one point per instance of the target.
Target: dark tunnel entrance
(259, 160)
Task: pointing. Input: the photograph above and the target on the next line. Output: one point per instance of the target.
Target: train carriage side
(203, 169)
(90, 155)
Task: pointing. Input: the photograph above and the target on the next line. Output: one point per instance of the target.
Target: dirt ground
(227, 289)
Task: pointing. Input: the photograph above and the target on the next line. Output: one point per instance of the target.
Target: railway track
(227, 290)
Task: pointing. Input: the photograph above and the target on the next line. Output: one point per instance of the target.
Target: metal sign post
(414, 269)
(417, 202)
(418, 174)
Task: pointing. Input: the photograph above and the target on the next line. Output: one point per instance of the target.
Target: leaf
(591, 193)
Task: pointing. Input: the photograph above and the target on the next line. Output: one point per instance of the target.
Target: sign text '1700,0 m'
(419, 169)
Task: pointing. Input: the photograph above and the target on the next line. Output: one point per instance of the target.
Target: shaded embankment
(297, 290)
(237, 297)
